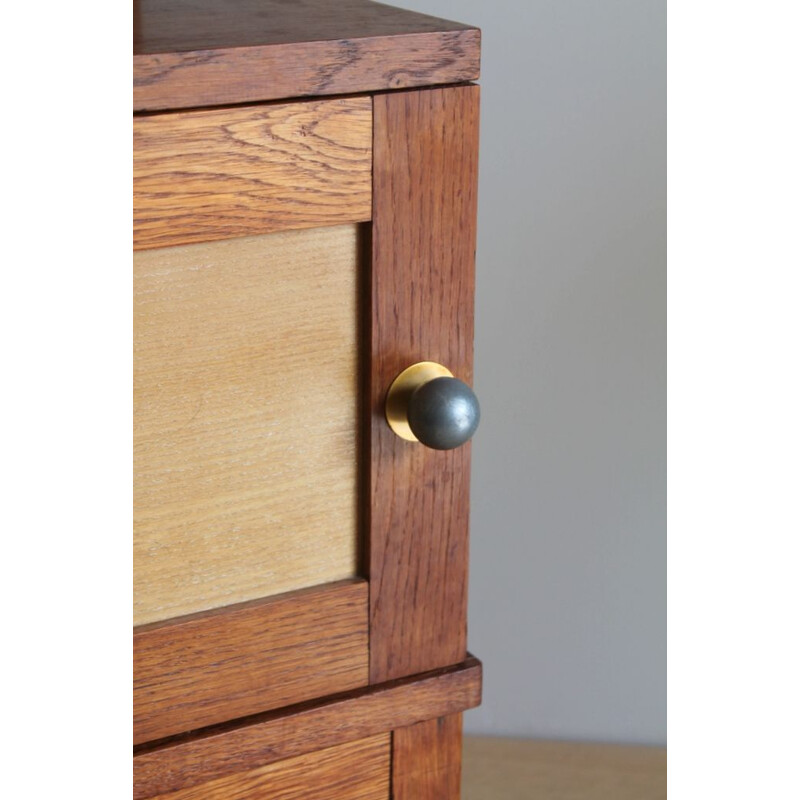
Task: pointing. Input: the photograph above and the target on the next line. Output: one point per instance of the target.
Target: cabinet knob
(426, 404)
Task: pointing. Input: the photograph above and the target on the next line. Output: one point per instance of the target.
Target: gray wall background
(568, 549)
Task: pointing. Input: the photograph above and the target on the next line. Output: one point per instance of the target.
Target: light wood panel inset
(205, 175)
(219, 665)
(353, 771)
(245, 414)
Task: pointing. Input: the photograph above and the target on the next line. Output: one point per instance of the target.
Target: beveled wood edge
(183, 761)
(204, 668)
(207, 78)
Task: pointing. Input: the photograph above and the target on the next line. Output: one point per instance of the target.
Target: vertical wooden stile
(425, 151)
(426, 760)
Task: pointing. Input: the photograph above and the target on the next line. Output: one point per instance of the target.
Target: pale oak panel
(353, 771)
(245, 406)
(205, 175)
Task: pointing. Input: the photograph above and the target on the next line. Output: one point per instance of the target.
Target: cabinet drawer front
(352, 771)
(245, 414)
(205, 175)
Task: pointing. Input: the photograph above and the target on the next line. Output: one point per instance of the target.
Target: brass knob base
(401, 390)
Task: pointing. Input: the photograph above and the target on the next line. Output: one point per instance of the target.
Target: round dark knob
(426, 404)
(443, 413)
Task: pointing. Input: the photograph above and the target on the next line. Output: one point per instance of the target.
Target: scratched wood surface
(226, 749)
(352, 771)
(245, 414)
(205, 175)
(213, 53)
(423, 260)
(219, 665)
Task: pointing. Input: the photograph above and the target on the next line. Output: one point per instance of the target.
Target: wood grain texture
(205, 175)
(353, 771)
(228, 749)
(246, 400)
(215, 666)
(426, 760)
(423, 258)
(516, 769)
(207, 53)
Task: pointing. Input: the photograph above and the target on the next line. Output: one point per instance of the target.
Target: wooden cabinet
(304, 229)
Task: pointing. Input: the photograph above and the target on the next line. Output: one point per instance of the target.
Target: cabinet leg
(426, 760)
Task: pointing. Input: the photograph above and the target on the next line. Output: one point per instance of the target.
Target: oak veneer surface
(426, 760)
(205, 175)
(423, 261)
(207, 755)
(245, 415)
(208, 52)
(218, 665)
(352, 771)
(517, 769)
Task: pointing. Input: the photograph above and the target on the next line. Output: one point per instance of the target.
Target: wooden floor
(518, 769)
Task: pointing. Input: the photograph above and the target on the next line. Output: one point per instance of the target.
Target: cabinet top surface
(208, 52)
(169, 26)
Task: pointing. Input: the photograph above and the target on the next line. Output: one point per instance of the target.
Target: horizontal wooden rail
(200, 176)
(352, 771)
(209, 667)
(265, 738)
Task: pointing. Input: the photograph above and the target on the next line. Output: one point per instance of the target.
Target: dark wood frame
(413, 675)
(401, 704)
(420, 307)
(425, 153)
(213, 666)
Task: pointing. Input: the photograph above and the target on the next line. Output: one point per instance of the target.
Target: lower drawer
(352, 771)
